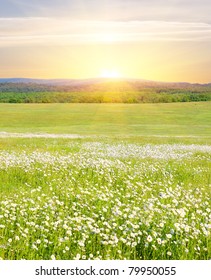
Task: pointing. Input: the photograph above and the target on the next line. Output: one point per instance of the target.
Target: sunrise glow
(113, 74)
(153, 40)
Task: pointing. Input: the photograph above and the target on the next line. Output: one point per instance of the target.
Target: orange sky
(39, 41)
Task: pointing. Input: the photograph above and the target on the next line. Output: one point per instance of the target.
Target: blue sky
(137, 36)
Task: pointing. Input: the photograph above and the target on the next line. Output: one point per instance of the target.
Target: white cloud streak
(52, 31)
(172, 10)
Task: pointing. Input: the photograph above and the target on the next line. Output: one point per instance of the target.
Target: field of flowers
(103, 199)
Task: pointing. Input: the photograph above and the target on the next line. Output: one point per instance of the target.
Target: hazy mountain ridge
(88, 81)
(99, 84)
(45, 81)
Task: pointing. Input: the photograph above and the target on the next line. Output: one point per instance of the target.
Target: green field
(175, 119)
(134, 184)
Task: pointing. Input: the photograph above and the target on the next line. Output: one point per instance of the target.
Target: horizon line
(104, 78)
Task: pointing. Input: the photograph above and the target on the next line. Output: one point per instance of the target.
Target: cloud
(159, 10)
(54, 31)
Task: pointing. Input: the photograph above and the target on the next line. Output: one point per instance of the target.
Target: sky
(147, 39)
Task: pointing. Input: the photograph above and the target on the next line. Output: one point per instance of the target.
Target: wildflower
(172, 231)
(149, 238)
(159, 241)
(53, 257)
(34, 247)
(168, 235)
(133, 244)
(77, 257)
(187, 228)
(177, 225)
(81, 243)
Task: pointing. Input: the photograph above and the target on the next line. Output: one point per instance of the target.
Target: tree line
(111, 93)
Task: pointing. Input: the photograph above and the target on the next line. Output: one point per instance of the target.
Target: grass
(180, 119)
(104, 200)
(129, 195)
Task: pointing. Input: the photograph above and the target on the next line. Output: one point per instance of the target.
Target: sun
(113, 74)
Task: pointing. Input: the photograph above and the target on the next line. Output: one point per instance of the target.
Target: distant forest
(104, 92)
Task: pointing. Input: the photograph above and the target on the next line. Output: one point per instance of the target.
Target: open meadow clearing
(161, 119)
(124, 181)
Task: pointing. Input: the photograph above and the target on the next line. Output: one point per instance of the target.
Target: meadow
(105, 181)
(170, 119)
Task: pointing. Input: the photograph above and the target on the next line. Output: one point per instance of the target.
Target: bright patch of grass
(180, 119)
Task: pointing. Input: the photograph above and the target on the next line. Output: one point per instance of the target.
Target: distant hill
(46, 81)
(69, 82)
(102, 90)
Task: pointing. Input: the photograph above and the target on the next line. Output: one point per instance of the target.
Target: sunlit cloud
(151, 39)
(44, 31)
(174, 10)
